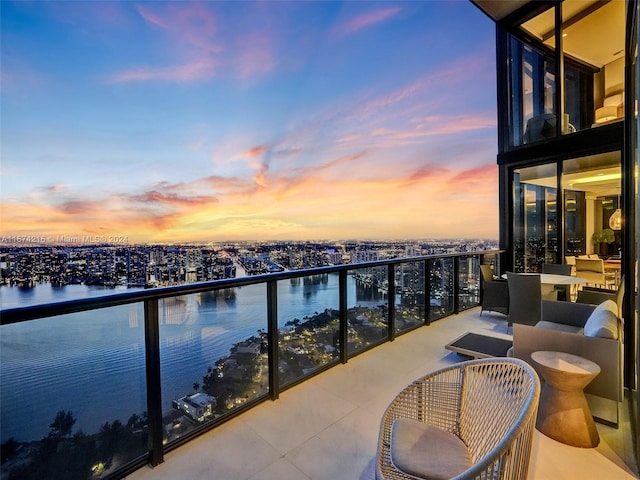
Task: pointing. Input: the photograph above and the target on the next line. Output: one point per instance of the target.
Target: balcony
(327, 428)
(308, 364)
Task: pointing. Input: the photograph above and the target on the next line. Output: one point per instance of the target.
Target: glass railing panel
(213, 351)
(441, 293)
(493, 260)
(308, 325)
(409, 300)
(469, 282)
(367, 307)
(73, 394)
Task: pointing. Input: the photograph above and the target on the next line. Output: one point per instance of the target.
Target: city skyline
(216, 121)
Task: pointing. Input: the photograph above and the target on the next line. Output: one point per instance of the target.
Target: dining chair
(525, 298)
(595, 296)
(592, 270)
(495, 292)
(571, 260)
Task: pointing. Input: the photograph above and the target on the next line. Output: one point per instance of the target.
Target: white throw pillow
(603, 321)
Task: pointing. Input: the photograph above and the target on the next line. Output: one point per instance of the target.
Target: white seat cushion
(603, 321)
(427, 452)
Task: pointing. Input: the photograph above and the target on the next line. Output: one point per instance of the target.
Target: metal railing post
(272, 336)
(427, 293)
(391, 301)
(154, 387)
(456, 285)
(344, 333)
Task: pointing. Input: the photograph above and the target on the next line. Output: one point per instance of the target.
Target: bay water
(93, 363)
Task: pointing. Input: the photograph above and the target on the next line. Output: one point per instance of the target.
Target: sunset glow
(214, 121)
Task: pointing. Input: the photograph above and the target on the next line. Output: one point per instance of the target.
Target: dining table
(548, 281)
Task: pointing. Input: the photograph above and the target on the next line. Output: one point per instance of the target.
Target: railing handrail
(52, 309)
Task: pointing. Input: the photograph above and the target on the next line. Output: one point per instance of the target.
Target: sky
(169, 122)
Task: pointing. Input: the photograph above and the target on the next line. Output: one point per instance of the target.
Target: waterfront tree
(62, 424)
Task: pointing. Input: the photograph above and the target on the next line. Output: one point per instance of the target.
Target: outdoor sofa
(590, 331)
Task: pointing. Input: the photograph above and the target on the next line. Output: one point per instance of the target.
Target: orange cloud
(77, 207)
(480, 181)
(254, 152)
(154, 196)
(296, 204)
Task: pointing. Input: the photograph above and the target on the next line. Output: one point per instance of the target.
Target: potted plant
(602, 239)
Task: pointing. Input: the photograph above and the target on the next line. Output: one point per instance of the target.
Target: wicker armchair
(471, 420)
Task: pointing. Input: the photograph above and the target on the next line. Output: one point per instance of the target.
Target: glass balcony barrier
(98, 387)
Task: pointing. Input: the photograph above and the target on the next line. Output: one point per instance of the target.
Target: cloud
(480, 180)
(56, 188)
(192, 24)
(152, 17)
(254, 55)
(224, 185)
(425, 173)
(362, 21)
(17, 74)
(254, 152)
(202, 69)
(190, 46)
(329, 199)
(198, 49)
(155, 196)
(77, 207)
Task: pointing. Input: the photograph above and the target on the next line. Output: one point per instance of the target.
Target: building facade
(567, 140)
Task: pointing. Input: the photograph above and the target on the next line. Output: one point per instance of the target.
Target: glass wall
(308, 325)
(593, 83)
(535, 217)
(410, 299)
(441, 281)
(73, 394)
(533, 89)
(469, 281)
(367, 315)
(592, 197)
(575, 223)
(213, 355)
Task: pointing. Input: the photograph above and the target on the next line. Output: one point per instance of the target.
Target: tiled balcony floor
(327, 428)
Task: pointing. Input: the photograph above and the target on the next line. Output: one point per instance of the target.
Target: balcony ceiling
(498, 10)
(598, 175)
